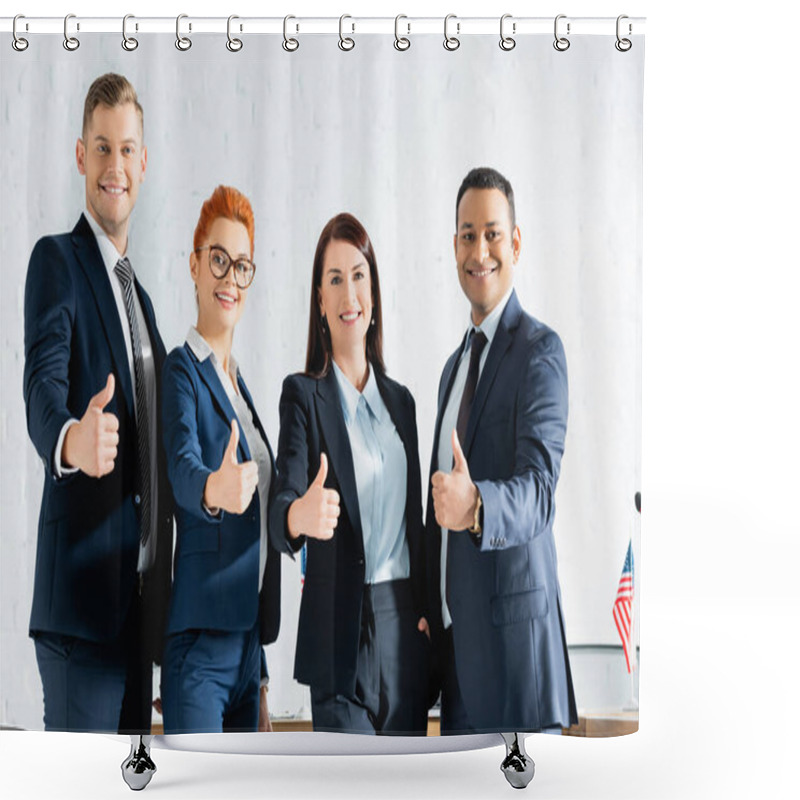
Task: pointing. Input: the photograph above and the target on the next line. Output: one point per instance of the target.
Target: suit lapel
(246, 394)
(208, 374)
(159, 354)
(500, 343)
(339, 454)
(446, 384)
(88, 256)
(392, 397)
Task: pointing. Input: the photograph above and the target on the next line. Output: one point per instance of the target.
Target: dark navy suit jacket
(216, 558)
(502, 589)
(88, 540)
(312, 423)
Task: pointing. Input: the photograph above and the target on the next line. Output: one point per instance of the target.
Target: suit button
(137, 500)
(360, 562)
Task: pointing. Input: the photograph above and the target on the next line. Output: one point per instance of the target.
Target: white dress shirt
(255, 443)
(450, 418)
(380, 466)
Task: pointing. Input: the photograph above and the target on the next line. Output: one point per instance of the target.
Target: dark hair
(344, 228)
(110, 90)
(488, 178)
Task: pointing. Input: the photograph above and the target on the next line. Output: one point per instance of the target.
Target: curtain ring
(451, 42)
(345, 42)
(561, 43)
(507, 42)
(401, 42)
(70, 42)
(233, 44)
(183, 43)
(128, 42)
(290, 44)
(623, 45)
(18, 43)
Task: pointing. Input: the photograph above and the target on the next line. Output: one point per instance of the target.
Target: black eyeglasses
(220, 262)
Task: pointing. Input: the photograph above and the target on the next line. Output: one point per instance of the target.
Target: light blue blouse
(380, 466)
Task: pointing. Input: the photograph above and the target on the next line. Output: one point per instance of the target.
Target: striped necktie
(124, 273)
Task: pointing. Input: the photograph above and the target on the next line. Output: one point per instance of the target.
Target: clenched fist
(90, 444)
(232, 486)
(316, 513)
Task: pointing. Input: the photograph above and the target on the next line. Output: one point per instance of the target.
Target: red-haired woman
(226, 588)
(349, 487)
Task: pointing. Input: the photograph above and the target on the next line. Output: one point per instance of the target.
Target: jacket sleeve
(292, 464)
(518, 509)
(185, 468)
(49, 319)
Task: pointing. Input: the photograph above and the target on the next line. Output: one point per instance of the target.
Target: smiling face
(345, 295)
(113, 160)
(220, 302)
(486, 249)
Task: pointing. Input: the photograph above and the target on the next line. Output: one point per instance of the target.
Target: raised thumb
(233, 443)
(323, 471)
(459, 462)
(103, 397)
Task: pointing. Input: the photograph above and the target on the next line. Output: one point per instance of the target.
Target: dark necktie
(477, 343)
(124, 272)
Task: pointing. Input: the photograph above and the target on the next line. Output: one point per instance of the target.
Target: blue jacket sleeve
(518, 509)
(292, 464)
(49, 318)
(187, 472)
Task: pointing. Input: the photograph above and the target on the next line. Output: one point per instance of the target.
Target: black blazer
(88, 545)
(312, 423)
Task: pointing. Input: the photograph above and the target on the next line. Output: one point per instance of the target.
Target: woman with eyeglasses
(349, 488)
(226, 587)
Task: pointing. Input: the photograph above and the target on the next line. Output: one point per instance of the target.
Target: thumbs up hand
(91, 443)
(232, 486)
(316, 513)
(454, 494)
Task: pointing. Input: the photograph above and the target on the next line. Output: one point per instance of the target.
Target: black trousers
(391, 690)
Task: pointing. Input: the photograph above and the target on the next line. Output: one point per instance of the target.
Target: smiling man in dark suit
(495, 600)
(93, 359)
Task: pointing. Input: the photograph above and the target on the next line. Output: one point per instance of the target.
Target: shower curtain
(543, 593)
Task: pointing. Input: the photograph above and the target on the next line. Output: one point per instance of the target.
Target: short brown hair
(110, 90)
(228, 203)
(319, 352)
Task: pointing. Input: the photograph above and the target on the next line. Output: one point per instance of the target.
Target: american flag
(623, 609)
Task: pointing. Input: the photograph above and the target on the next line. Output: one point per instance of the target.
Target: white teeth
(353, 315)
(226, 297)
(482, 273)
(113, 189)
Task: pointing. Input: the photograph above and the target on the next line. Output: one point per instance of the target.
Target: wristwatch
(477, 528)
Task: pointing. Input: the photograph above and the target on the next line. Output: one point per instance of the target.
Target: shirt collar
(351, 396)
(202, 350)
(108, 251)
(489, 326)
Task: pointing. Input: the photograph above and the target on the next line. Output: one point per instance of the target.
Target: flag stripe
(623, 608)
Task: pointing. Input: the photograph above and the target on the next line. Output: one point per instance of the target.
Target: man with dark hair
(93, 359)
(494, 596)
